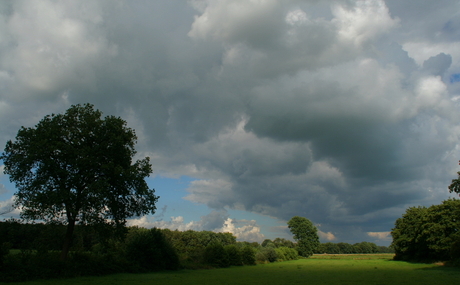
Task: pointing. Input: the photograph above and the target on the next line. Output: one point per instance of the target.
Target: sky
(254, 111)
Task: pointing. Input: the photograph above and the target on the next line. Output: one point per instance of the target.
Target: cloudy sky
(254, 111)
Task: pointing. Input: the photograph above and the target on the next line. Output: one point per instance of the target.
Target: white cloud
(423, 50)
(380, 235)
(430, 91)
(326, 236)
(176, 223)
(244, 230)
(250, 21)
(6, 207)
(365, 21)
(296, 17)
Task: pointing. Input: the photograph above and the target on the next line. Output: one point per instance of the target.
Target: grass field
(319, 269)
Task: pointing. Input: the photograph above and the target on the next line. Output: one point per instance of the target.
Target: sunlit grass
(319, 269)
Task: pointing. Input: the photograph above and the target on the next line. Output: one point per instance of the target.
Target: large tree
(306, 235)
(428, 234)
(77, 168)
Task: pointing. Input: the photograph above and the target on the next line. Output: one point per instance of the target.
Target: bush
(148, 250)
(234, 255)
(280, 256)
(248, 255)
(266, 254)
(286, 253)
(215, 255)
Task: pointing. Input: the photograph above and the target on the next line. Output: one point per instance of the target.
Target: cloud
(7, 209)
(380, 236)
(344, 112)
(438, 65)
(364, 21)
(326, 236)
(244, 230)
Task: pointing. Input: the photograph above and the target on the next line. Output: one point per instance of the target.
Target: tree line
(357, 248)
(31, 250)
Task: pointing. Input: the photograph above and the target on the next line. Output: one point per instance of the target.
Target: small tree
(306, 235)
(455, 184)
(77, 168)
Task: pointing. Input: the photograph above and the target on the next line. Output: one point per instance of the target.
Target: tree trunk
(68, 240)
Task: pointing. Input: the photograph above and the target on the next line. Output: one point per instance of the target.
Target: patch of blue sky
(8, 190)
(172, 192)
(455, 78)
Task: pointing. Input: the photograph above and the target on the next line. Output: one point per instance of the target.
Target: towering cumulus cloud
(344, 112)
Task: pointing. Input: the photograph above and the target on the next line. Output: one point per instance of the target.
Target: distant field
(319, 269)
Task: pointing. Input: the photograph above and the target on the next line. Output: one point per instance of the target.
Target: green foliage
(78, 167)
(267, 243)
(148, 250)
(216, 255)
(428, 234)
(266, 254)
(190, 245)
(142, 250)
(306, 235)
(234, 255)
(248, 255)
(281, 242)
(286, 253)
(406, 235)
(346, 248)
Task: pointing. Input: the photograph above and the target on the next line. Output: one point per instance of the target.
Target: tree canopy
(306, 235)
(428, 234)
(77, 167)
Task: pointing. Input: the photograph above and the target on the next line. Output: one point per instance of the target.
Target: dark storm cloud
(339, 111)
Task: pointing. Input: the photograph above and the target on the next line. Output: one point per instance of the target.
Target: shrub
(234, 255)
(286, 253)
(266, 254)
(280, 254)
(248, 255)
(148, 250)
(215, 255)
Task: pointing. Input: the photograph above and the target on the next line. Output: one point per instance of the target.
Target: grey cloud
(438, 65)
(429, 21)
(315, 109)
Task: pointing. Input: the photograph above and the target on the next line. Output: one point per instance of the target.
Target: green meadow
(319, 269)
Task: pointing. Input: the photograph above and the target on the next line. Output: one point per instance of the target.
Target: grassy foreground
(319, 269)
